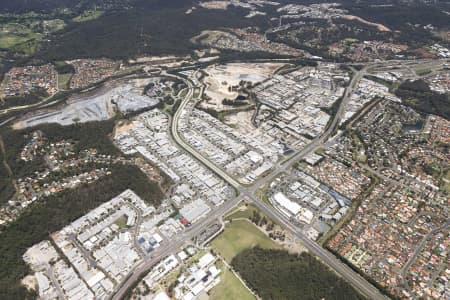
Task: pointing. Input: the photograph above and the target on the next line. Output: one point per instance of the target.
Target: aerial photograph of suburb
(224, 149)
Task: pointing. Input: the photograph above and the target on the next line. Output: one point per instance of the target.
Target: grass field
(14, 34)
(88, 15)
(239, 235)
(244, 213)
(421, 72)
(183, 93)
(261, 193)
(122, 222)
(229, 287)
(7, 40)
(64, 80)
(446, 184)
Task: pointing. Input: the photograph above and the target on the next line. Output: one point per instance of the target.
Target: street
(248, 193)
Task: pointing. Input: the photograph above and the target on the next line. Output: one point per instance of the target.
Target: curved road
(248, 192)
(359, 282)
(416, 254)
(356, 280)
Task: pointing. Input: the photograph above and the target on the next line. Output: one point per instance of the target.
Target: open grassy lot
(64, 80)
(446, 182)
(230, 287)
(122, 222)
(14, 34)
(88, 15)
(421, 72)
(242, 212)
(240, 235)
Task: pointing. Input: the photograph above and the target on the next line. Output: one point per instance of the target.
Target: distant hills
(47, 6)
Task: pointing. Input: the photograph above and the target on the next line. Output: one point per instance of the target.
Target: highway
(359, 282)
(188, 148)
(173, 246)
(183, 238)
(248, 193)
(324, 255)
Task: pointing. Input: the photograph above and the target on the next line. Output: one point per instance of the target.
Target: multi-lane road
(243, 192)
(248, 193)
(173, 246)
(359, 282)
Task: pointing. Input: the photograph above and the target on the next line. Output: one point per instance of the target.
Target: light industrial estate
(332, 157)
(210, 149)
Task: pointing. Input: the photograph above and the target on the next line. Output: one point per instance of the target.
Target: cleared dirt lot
(222, 77)
(100, 104)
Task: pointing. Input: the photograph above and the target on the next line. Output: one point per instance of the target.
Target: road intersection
(247, 193)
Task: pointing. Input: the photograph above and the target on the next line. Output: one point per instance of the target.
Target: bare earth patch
(30, 282)
(379, 26)
(222, 77)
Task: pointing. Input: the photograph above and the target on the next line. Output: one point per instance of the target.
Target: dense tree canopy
(53, 213)
(276, 274)
(418, 95)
